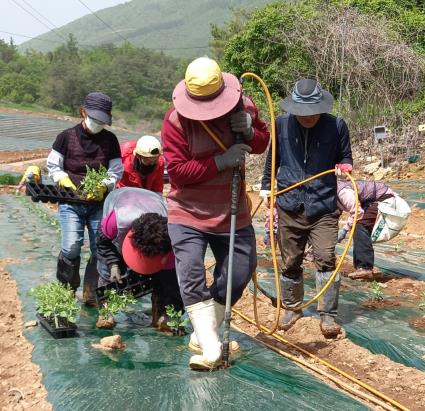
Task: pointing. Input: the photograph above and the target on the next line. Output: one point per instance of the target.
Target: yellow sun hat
(206, 92)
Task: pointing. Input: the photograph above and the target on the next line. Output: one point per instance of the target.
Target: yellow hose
(325, 363)
(276, 273)
(332, 378)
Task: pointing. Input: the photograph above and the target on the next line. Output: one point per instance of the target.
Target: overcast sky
(14, 19)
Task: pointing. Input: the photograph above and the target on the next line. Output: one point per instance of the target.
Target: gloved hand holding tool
(67, 183)
(241, 122)
(232, 157)
(116, 273)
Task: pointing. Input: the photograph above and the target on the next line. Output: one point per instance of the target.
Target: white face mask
(93, 126)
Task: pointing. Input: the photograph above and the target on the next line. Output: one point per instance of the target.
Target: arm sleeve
(115, 171)
(55, 166)
(182, 168)
(347, 202)
(266, 179)
(106, 250)
(345, 155)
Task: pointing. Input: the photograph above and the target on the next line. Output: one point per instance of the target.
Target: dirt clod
(105, 323)
(31, 324)
(113, 342)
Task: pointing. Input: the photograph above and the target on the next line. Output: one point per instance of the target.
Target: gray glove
(241, 122)
(232, 157)
(115, 273)
(342, 234)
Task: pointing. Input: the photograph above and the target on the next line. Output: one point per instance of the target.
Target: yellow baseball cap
(206, 92)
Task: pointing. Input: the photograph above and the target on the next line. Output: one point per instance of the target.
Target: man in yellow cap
(200, 195)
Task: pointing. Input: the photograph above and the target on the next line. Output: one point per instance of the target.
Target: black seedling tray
(68, 331)
(54, 194)
(132, 283)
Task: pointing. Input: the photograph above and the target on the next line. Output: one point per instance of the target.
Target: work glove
(342, 234)
(241, 122)
(115, 273)
(232, 157)
(264, 194)
(341, 169)
(67, 183)
(98, 193)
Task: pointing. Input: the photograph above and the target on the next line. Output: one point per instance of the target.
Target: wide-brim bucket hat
(206, 92)
(139, 262)
(307, 99)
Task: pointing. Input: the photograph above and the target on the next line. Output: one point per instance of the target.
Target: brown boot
(289, 318)
(362, 274)
(329, 327)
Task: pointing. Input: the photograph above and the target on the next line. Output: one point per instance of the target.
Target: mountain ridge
(155, 24)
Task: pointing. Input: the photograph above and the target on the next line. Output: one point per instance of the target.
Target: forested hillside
(139, 81)
(179, 28)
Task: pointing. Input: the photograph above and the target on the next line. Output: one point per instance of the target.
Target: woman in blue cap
(86, 144)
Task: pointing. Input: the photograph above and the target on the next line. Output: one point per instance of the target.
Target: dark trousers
(295, 229)
(363, 254)
(190, 245)
(166, 289)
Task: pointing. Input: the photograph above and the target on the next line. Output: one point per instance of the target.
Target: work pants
(190, 245)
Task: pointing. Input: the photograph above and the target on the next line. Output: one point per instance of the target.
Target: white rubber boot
(219, 315)
(204, 321)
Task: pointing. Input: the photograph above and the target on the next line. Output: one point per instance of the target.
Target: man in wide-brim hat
(200, 197)
(309, 141)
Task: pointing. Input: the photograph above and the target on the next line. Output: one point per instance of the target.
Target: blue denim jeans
(73, 219)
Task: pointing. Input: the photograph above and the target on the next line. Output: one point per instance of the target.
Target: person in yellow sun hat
(32, 175)
(200, 196)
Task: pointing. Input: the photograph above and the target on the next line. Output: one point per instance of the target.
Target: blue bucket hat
(98, 107)
(307, 99)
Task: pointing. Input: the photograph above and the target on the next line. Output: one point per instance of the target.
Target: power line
(30, 37)
(45, 18)
(40, 21)
(102, 46)
(103, 21)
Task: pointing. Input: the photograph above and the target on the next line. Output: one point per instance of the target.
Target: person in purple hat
(200, 197)
(86, 144)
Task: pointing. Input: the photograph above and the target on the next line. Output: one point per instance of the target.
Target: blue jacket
(302, 153)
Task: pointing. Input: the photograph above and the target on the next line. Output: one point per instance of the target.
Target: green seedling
(375, 291)
(176, 320)
(56, 300)
(92, 182)
(114, 303)
(422, 303)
